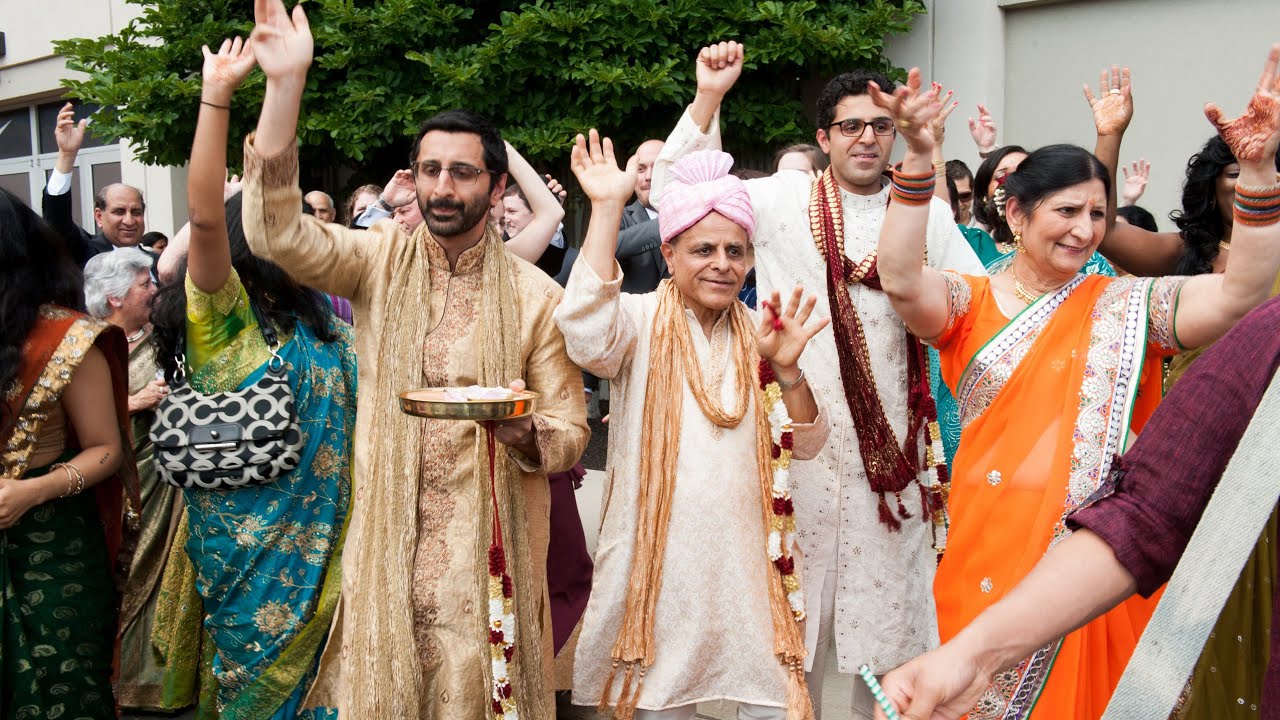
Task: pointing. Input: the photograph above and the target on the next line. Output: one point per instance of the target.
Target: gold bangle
(71, 480)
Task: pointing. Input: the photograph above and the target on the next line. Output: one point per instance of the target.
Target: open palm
(1254, 135)
(226, 69)
(1113, 106)
(281, 42)
(596, 168)
(783, 335)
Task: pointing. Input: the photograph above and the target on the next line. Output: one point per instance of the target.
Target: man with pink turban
(696, 594)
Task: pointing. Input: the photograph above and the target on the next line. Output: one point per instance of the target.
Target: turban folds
(698, 185)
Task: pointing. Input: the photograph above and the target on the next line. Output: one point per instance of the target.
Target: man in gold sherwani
(445, 306)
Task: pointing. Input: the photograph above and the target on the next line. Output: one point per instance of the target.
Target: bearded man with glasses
(869, 508)
(445, 306)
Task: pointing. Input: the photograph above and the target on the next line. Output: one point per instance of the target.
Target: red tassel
(507, 589)
(902, 509)
(786, 565)
(924, 502)
(788, 441)
(886, 515)
(779, 506)
(497, 560)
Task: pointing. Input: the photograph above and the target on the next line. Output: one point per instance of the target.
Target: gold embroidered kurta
(447, 598)
(713, 630)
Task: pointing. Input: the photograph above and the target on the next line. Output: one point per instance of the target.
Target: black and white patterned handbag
(229, 440)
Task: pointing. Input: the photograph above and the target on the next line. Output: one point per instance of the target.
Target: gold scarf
(671, 358)
(380, 659)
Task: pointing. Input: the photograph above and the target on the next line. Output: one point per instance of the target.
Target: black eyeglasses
(853, 127)
(464, 175)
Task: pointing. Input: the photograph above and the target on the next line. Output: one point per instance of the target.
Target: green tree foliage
(543, 71)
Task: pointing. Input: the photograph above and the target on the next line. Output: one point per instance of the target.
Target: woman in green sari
(62, 464)
(264, 559)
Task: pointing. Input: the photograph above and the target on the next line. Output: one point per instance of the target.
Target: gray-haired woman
(118, 289)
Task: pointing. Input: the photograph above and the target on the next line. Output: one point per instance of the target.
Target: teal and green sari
(265, 560)
(58, 594)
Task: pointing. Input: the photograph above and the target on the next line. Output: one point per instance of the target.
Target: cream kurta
(449, 605)
(713, 628)
(884, 610)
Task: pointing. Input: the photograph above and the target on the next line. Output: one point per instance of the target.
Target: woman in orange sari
(1054, 372)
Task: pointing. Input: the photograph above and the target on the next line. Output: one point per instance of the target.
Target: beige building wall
(31, 74)
(1028, 59)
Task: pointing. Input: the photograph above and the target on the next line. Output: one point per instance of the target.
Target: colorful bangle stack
(912, 189)
(1257, 206)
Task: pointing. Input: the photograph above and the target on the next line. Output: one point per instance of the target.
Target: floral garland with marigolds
(502, 617)
(782, 526)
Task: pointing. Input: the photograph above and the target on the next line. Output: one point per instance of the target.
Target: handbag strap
(275, 365)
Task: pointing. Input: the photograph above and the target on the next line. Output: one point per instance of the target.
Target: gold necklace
(1021, 290)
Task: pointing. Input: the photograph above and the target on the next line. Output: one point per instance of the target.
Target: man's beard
(467, 217)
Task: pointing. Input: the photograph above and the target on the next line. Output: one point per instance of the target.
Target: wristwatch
(382, 203)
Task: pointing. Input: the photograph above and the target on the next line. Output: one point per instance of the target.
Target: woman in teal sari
(265, 559)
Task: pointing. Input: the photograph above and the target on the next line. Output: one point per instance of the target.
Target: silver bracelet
(785, 386)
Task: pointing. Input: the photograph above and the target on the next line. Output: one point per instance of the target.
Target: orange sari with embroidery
(1047, 400)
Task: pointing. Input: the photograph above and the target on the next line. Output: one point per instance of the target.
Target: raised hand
(1113, 106)
(224, 71)
(68, 133)
(597, 170)
(400, 189)
(939, 124)
(782, 334)
(1135, 183)
(983, 130)
(1254, 135)
(912, 111)
(556, 188)
(281, 42)
(719, 66)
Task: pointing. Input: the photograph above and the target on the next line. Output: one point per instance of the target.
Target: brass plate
(431, 403)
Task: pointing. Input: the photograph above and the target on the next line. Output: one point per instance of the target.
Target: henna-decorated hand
(1253, 136)
(983, 130)
(1113, 108)
(225, 70)
(912, 111)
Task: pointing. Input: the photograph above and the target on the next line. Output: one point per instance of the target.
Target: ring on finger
(904, 124)
(1114, 91)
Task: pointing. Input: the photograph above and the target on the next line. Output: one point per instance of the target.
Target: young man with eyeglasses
(419, 632)
(867, 542)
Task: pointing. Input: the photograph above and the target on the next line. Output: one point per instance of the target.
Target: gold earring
(1017, 242)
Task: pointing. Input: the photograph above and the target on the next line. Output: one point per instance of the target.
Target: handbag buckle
(216, 437)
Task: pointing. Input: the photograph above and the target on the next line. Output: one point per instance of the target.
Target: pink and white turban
(699, 184)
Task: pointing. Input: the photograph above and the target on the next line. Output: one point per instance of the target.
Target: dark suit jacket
(56, 210)
(639, 251)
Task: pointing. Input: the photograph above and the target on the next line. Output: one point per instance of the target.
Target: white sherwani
(713, 629)
(884, 610)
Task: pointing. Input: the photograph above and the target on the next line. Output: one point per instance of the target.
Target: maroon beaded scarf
(890, 467)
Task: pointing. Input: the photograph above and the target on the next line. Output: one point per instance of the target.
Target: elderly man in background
(639, 250)
(118, 289)
(117, 208)
(322, 204)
